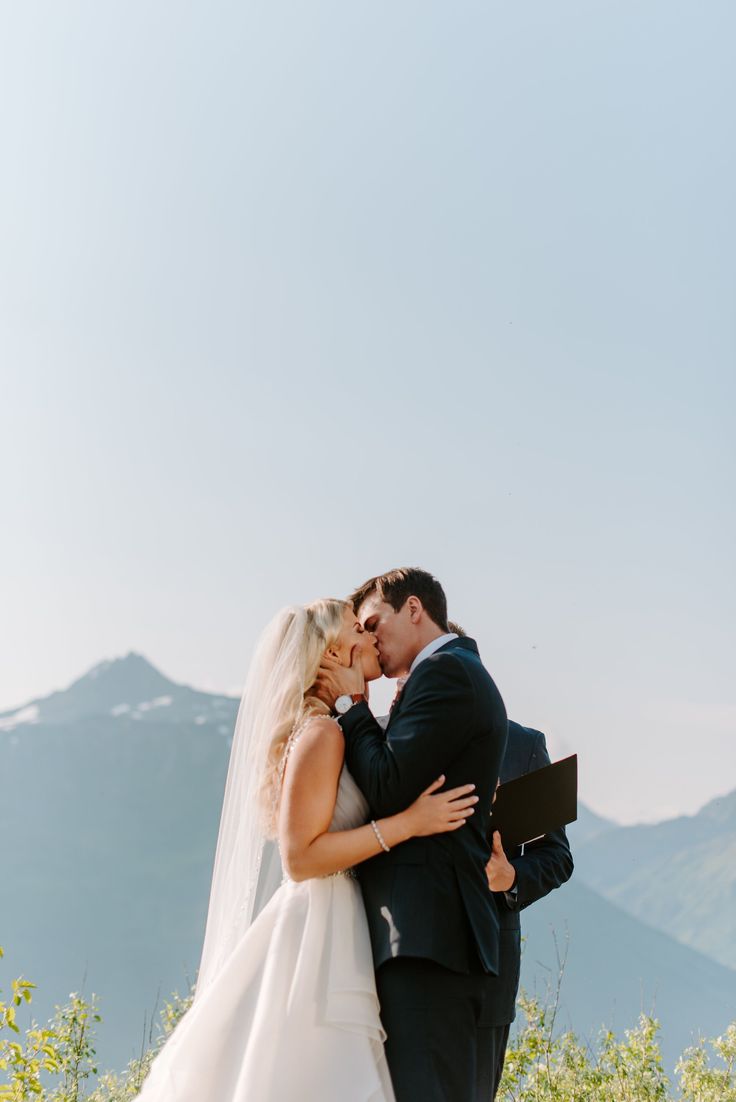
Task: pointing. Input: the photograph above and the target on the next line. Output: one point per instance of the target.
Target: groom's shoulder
(463, 647)
(463, 651)
(454, 651)
(457, 659)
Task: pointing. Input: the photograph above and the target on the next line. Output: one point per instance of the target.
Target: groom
(433, 923)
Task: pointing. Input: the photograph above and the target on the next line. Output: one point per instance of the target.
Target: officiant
(521, 877)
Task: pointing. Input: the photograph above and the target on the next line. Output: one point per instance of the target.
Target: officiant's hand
(499, 870)
(334, 679)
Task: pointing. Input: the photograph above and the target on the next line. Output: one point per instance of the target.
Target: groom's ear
(415, 609)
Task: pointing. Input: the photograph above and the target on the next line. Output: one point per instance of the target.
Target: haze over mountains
(679, 875)
(112, 793)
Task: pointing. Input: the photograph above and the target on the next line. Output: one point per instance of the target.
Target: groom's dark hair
(398, 585)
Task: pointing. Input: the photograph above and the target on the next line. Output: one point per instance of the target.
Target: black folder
(530, 806)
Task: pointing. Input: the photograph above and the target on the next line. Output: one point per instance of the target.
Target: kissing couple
(352, 941)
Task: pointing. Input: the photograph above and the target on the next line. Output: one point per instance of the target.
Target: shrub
(56, 1063)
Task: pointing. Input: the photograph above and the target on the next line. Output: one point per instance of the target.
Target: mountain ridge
(678, 875)
(129, 686)
(113, 820)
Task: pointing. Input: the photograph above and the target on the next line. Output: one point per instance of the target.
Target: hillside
(679, 875)
(618, 967)
(109, 819)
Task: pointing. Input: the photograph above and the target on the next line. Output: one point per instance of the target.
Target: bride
(285, 1005)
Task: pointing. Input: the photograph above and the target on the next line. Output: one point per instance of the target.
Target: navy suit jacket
(429, 897)
(540, 867)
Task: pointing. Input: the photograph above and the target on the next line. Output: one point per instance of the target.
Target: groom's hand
(334, 679)
(499, 870)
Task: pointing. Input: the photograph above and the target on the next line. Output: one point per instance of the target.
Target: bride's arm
(308, 848)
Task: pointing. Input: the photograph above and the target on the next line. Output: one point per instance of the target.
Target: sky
(292, 294)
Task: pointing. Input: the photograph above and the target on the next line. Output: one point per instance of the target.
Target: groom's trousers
(440, 1044)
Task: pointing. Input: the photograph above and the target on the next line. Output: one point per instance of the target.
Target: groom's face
(394, 633)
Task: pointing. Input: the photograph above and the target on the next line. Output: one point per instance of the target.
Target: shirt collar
(430, 648)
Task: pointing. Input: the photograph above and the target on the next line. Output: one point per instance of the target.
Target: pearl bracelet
(379, 836)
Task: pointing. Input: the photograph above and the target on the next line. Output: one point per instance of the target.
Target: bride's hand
(437, 812)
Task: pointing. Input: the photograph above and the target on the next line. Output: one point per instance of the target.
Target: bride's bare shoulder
(320, 740)
(320, 729)
(323, 723)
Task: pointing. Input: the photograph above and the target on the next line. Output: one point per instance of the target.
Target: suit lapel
(395, 710)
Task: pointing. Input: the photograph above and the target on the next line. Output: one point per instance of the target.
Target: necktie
(399, 690)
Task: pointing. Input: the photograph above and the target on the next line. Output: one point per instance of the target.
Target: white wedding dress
(293, 1014)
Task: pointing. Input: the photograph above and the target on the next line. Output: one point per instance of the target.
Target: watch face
(343, 704)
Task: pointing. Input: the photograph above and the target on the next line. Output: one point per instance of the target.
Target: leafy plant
(53, 1062)
(56, 1063)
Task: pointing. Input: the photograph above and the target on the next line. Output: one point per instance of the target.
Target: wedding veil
(247, 868)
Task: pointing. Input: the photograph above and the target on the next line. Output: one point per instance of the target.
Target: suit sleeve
(546, 863)
(434, 725)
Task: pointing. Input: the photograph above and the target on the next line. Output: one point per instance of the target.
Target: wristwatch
(344, 703)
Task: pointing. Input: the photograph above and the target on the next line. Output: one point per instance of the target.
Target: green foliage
(700, 1081)
(542, 1066)
(50, 1063)
(57, 1063)
(122, 1088)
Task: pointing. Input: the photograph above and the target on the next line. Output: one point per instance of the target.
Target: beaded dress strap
(295, 735)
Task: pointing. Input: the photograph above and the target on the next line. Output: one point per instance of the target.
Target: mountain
(128, 689)
(588, 825)
(617, 967)
(109, 820)
(678, 875)
(111, 798)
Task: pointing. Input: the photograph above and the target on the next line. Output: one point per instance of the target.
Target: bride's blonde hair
(277, 697)
(294, 643)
